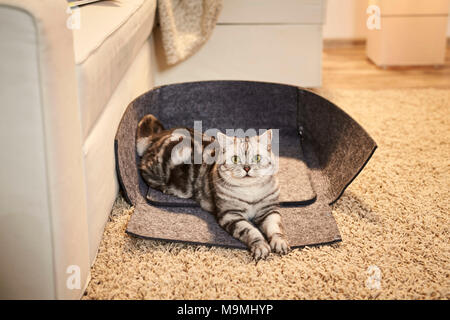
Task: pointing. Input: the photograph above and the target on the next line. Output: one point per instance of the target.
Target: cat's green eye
(257, 158)
(235, 159)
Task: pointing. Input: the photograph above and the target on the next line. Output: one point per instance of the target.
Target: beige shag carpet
(394, 220)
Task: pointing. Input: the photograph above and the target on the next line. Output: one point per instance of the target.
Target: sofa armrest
(43, 228)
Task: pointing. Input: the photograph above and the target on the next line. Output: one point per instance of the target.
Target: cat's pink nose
(246, 168)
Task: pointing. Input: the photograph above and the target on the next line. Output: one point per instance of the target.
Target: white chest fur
(252, 198)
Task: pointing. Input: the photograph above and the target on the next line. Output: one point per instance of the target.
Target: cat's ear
(266, 139)
(223, 139)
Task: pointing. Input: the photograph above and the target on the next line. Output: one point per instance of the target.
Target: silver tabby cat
(239, 187)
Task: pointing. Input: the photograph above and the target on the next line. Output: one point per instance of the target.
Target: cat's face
(246, 158)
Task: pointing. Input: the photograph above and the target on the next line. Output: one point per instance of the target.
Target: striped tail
(148, 126)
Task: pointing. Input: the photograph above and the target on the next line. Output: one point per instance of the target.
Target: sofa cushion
(109, 38)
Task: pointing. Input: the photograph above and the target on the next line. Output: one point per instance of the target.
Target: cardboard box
(413, 32)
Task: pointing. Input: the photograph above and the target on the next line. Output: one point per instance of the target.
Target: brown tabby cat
(238, 187)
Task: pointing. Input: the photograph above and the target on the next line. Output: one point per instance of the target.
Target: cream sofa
(66, 78)
(63, 90)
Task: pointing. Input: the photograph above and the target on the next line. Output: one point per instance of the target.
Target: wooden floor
(347, 67)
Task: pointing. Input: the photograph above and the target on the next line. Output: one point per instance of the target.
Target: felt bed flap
(335, 146)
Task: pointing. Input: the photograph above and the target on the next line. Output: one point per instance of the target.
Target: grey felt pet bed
(321, 150)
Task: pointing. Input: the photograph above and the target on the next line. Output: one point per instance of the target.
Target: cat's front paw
(260, 250)
(279, 244)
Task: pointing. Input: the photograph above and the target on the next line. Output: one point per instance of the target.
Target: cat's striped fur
(237, 191)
